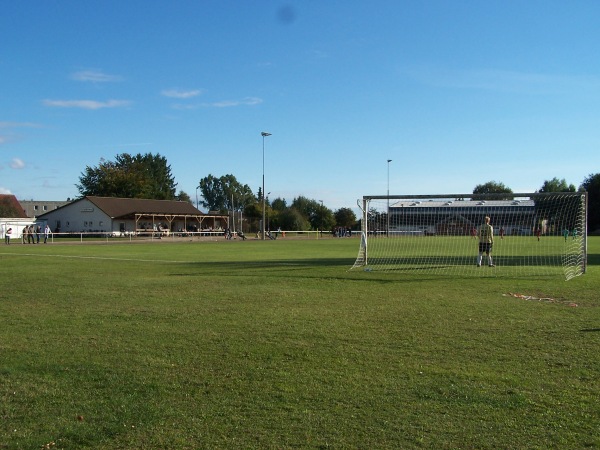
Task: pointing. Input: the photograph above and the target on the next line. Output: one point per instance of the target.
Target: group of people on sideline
(341, 232)
(31, 234)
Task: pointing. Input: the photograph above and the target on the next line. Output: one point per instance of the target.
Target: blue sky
(455, 93)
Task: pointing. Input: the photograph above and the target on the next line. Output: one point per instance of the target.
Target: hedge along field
(277, 344)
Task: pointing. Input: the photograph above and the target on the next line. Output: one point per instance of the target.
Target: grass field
(278, 345)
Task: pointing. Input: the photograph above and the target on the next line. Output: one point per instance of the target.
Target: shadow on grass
(593, 259)
(395, 264)
(412, 263)
(590, 330)
(309, 268)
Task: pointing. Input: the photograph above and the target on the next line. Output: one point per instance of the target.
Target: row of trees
(227, 194)
(494, 187)
(149, 176)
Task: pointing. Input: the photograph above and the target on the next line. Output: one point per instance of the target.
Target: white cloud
(17, 163)
(248, 101)
(87, 104)
(503, 80)
(5, 191)
(18, 125)
(176, 93)
(183, 107)
(95, 76)
(9, 136)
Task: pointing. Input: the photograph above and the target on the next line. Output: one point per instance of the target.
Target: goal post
(534, 234)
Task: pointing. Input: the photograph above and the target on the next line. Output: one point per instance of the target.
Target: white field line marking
(98, 257)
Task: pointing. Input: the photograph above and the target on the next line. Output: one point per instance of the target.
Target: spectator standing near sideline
(30, 234)
(46, 233)
(38, 230)
(486, 241)
(7, 234)
(501, 232)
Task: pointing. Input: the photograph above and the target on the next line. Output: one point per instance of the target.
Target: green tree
(184, 197)
(374, 219)
(225, 193)
(591, 184)
(556, 185)
(213, 196)
(482, 191)
(345, 217)
(253, 214)
(279, 204)
(138, 176)
(323, 219)
(237, 195)
(292, 219)
(312, 211)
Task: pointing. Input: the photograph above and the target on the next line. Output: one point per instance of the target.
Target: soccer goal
(533, 234)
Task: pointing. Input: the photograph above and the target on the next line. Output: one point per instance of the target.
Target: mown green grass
(456, 255)
(277, 345)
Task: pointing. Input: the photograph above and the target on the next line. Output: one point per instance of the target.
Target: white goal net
(533, 234)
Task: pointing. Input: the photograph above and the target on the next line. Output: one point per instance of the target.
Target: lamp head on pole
(389, 160)
(265, 134)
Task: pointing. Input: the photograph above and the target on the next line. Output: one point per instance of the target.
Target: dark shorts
(485, 247)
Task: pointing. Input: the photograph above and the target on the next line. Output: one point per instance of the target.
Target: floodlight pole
(321, 221)
(197, 197)
(388, 197)
(232, 214)
(264, 134)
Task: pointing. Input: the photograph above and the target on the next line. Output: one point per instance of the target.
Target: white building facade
(124, 216)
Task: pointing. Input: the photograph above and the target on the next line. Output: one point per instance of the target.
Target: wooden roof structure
(128, 208)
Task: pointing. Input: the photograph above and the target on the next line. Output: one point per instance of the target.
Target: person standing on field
(486, 241)
(30, 235)
(46, 233)
(7, 235)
